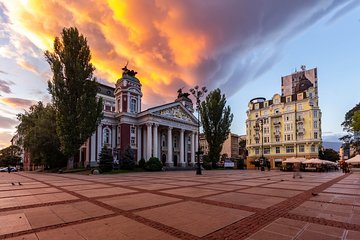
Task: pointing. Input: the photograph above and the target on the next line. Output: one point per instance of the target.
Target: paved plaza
(228, 204)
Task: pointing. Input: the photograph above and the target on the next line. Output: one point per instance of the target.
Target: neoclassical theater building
(168, 131)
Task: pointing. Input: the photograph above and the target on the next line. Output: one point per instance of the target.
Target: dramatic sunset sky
(240, 46)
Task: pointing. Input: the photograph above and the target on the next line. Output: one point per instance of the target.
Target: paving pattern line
(116, 212)
(253, 223)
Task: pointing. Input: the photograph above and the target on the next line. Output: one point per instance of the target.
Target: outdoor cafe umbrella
(314, 161)
(355, 159)
(294, 160)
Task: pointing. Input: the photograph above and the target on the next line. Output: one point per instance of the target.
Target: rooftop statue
(127, 71)
(181, 94)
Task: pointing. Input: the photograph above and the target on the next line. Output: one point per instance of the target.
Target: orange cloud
(172, 43)
(17, 102)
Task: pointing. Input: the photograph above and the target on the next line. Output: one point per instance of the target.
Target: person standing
(296, 170)
(9, 169)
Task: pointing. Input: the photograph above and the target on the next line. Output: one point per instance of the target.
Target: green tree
(105, 159)
(356, 121)
(329, 154)
(10, 156)
(153, 165)
(351, 125)
(216, 120)
(73, 89)
(37, 131)
(127, 160)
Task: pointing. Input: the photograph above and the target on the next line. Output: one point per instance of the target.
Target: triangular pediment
(174, 111)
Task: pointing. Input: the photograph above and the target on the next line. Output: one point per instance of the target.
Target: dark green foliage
(329, 154)
(142, 163)
(73, 89)
(206, 162)
(127, 160)
(154, 164)
(351, 125)
(37, 131)
(10, 156)
(106, 159)
(216, 120)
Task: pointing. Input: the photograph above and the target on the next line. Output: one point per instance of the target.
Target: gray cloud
(5, 86)
(7, 122)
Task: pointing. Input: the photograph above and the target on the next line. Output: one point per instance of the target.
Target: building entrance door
(163, 159)
(175, 161)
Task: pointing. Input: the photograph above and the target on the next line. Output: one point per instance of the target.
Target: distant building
(230, 146)
(288, 125)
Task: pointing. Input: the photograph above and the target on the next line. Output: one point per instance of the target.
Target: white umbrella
(314, 161)
(294, 160)
(355, 159)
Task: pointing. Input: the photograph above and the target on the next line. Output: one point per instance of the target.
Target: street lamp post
(198, 93)
(259, 127)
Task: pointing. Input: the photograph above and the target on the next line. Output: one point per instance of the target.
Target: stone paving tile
(110, 229)
(283, 228)
(135, 201)
(25, 237)
(342, 213)
(154, 186)
(343, 190)
(34, 199)
(85, 187)
(337, 198)
(144, 214)
(223, 187)
(191, 192)
(13, 223)
(249, 200)
(198, 219)
(271, 192)
(104, 192)
(289, 185)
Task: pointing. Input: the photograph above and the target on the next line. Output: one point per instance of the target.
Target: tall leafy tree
(10, 156)
(37, 131)
(351, 124)
(73, 89)
(216, 120)
(329, 154)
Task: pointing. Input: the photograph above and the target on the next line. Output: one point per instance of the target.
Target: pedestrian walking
(9, 169)
(296, 170)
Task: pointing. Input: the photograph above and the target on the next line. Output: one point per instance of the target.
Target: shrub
(142, 163)
(154, 164)
(127, 161)
(106, 160)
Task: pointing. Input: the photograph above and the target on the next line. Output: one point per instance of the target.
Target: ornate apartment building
(287, 125)
(168, 131)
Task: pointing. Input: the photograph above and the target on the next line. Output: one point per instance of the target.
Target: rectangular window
(315, 124)
(315, 135)
(132, 141)
(132, 130)
(256, 151)
(315, 114)
(266, 150)
(277, 149)
(312, 148)
(301, 148)
(288, 99)
(289, 149)
(288, 137)
(300, 107)
(108, 108)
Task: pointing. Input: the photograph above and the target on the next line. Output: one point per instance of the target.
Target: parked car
(5, 169)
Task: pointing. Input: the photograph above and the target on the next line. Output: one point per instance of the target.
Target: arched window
(106, 136)
(133, 105)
